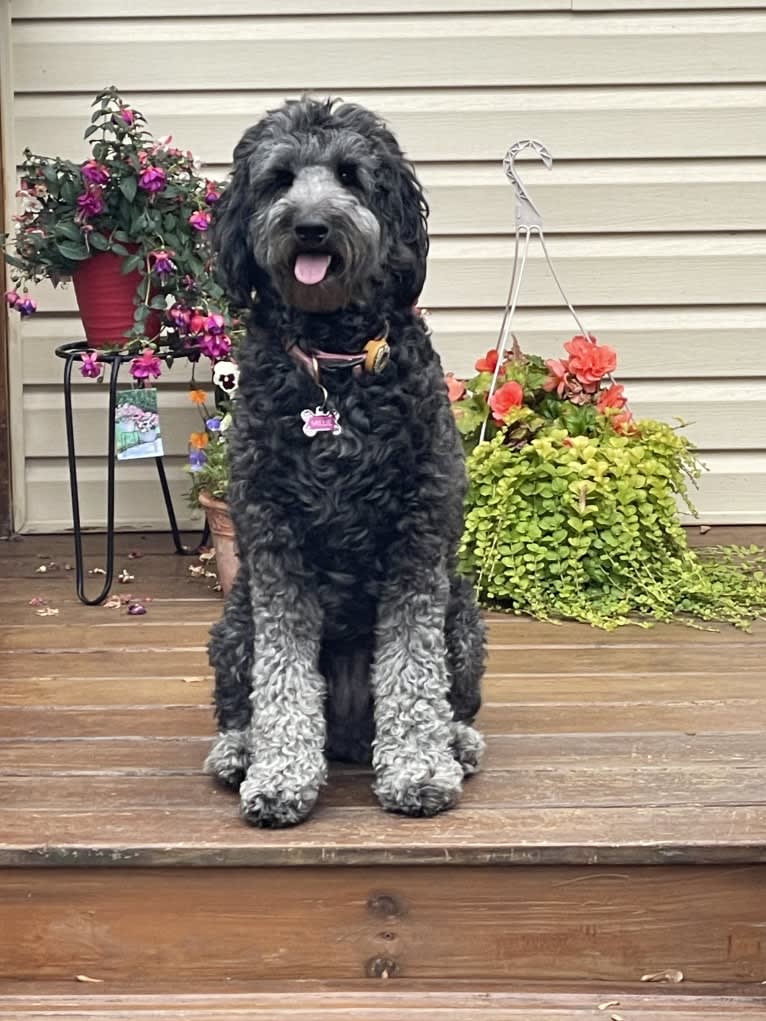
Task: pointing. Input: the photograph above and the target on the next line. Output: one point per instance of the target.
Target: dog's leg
(287, 732)
(465, 634)
(416, 770)
(231, 655)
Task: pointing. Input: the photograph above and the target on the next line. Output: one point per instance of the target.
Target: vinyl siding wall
(655, 209)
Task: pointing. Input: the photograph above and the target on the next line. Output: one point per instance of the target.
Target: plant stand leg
(74, 488)
(180, 548)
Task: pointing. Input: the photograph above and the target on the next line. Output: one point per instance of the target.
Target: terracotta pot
(106, 298)
(222, 529)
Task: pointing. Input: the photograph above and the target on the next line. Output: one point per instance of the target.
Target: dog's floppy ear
(405, 212)
(235, 265)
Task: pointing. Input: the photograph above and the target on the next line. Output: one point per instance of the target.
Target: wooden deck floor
(638, 747)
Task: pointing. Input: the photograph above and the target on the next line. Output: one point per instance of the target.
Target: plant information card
(137, 424)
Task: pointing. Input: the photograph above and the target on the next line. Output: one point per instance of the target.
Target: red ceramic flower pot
(106, 298)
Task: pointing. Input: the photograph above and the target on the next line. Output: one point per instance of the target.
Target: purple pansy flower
(91, 366)
(213, 424)
(147, 364)
(200, 220)
(94, 172)
(197, 459)
(152, 179)
(215, 346)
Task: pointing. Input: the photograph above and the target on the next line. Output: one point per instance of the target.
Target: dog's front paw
(420, 785)
(229, 758)
(468, 747)
(274, 795)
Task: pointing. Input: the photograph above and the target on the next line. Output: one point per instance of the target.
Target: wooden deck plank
(568, 923)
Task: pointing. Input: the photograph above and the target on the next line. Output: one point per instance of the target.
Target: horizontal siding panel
(666, 343)
(617, 270)
(732, 491)
(669, 343)
(139, 503)
(420, 51)
(449, 124)
(614, 6)
(180, 8)
(714, 412)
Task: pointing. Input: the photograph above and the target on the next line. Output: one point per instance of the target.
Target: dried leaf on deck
(113, 603)
(42, 569)
(124, 577)
(47, 611)
(97, 570)
(608, 1004)
(38, 601)
(669, 975)
(87, 978)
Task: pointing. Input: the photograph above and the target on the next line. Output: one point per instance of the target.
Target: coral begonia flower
(510, 395)
(455, 387)
(589, 362)
(623, 423)
(488, 363)
(199, 440)
(614, 397)
(197, 396)
(557, 380)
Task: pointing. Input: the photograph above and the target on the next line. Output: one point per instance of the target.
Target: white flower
(226, 376)
(225, 422)
(28, 203)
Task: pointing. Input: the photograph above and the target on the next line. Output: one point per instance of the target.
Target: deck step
(389, 1004)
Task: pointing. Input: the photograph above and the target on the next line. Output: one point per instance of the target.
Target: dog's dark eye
(283, 179)
(347, 175)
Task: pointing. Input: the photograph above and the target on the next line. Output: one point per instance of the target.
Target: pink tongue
(311, 269)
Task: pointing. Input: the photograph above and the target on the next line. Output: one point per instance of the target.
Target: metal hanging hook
(527, 213)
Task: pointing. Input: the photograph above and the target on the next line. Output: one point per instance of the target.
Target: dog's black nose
(311, 233)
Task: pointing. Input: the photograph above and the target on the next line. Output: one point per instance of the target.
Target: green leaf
(90, 130)
(76, 253)
(99, 242)
(132, 262)
(129, 187)
(120, 250)
(68, 229)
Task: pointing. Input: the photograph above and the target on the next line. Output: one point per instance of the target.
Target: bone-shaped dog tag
(320, 420)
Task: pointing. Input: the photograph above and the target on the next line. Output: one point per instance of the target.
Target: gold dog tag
(377, 355)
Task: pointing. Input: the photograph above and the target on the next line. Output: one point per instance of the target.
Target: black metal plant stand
(71, 353)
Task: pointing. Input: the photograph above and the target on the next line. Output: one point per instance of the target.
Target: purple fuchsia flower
(25, 307)
(91, 366)
(11, 297)
(153, 179)
(127, 115)
(212, 194)
(147, 364)
(215, 323)
(162, 261)
(200, 220)
(180, 317)
(197, 459)
(90, 203)
(215, 346)
(94, 172)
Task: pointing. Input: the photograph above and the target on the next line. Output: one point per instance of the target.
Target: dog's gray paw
(421, 786)
(229, 758)
(283, 796)
(468, 747)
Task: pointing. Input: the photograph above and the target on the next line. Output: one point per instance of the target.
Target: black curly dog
(348, 634)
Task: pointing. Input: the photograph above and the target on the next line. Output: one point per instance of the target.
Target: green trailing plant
(572, 509)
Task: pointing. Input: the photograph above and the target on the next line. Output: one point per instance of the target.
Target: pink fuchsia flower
(162, 261)
(212, 194)
(215, 346)
(11, 297)
(488, 363)
(90, 203)
(94, 172)
(180, 317)
(91, 366)
(558, 378)
(153, 179)
(589, 362)
(455, 387)
(127, 115)
(147, 364)
(510, 395)
(25, 307)
(614, 397)
(200, 220)
(215, 323)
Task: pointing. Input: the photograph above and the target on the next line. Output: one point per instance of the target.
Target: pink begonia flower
(558, 378)
(94, 172)
(146, 365)
(162, 261)
(153, 179)
(215, 346)
(90, 203)
(91, 366)
(200, 220)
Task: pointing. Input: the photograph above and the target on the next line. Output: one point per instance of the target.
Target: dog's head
(323, 208)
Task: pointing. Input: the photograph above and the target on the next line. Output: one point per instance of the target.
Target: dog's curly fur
(347, 634)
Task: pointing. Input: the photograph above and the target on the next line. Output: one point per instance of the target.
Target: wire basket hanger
(529, 222)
